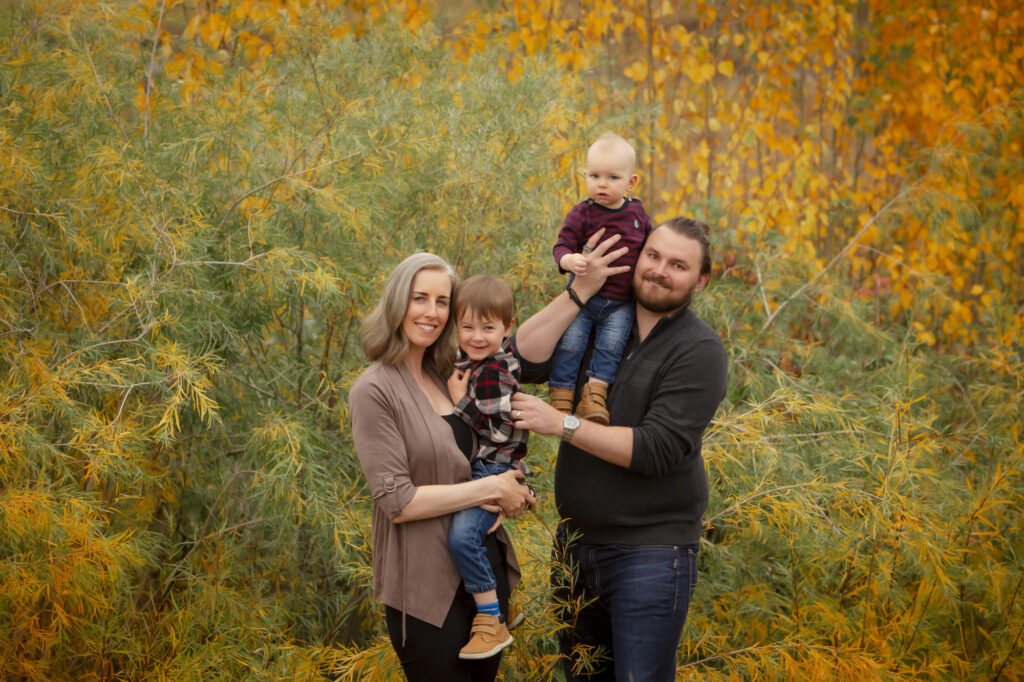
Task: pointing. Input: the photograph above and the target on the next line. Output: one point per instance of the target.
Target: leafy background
(199, 200)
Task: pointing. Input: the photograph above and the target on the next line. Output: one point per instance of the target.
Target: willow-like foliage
(198, 204)
(183, 276)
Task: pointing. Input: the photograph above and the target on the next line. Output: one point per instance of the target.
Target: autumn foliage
(199, 201)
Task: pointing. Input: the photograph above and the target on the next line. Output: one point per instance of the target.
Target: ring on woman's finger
(587, 249)
(519, 413)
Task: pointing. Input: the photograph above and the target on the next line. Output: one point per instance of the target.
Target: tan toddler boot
(561, 399)
(592, 404)
(487, 637)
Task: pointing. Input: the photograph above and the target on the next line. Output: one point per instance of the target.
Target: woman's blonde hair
(383, 339)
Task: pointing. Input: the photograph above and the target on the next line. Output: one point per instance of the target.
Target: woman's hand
(513, 495)
(497, 522)
(600, 255)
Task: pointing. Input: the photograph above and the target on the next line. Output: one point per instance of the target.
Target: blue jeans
(614, 322)
(466, 536)
(630, 601)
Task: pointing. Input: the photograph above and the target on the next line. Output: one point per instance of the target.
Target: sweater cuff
(395, 495)
(638, 456)
(462, 408)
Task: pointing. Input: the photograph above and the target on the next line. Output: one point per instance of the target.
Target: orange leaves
(597, 23)
(212, 29)
(60, 573)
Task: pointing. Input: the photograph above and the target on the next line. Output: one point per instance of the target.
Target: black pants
(431, 654)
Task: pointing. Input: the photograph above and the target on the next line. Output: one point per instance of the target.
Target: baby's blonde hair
(614, 143)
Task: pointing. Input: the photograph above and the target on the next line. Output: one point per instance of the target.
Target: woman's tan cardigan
(402, 443)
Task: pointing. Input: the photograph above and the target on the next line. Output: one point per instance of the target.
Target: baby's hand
(458, 385)
(575, 263)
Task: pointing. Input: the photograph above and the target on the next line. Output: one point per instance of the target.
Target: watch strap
(573, 295)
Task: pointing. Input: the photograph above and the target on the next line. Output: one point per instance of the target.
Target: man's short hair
(698, 232)
(486, 297)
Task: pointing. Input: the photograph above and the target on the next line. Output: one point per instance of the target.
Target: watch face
(571, 422)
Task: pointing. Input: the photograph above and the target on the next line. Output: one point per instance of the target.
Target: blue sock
(493, 609)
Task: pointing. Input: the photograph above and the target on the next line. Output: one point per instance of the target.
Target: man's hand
(575, 263)
(599, 255)
(458, 385)
(533, 414)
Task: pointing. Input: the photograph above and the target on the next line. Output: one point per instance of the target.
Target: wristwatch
(569, 426)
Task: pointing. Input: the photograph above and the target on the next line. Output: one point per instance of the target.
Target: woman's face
(427, 312)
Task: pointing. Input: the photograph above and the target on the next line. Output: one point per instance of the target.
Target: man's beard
(668, 304)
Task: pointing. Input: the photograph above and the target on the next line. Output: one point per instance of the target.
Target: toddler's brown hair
(487, 297)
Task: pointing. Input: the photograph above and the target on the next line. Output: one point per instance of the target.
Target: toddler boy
(486, 375)
(611, 174)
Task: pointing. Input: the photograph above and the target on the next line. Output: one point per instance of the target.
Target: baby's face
(609, 176)
(480, 337)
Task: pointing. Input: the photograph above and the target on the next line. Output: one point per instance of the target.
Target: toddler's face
(609, 176)
(480, 337)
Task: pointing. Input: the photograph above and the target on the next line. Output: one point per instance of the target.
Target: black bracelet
(573, 296)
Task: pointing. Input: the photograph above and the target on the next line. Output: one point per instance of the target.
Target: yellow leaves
(214, 30)
(62, 565)
(703, 150)
(417, 15)
(253, 206)
(144, 100)
(596, 24)
(703, 74)
(575, 60)
(725, 68)
(189, 381)
(637, 71)
(924, 336)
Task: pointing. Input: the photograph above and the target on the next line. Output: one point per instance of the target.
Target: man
(631, 494)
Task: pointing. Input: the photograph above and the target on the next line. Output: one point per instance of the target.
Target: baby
(611, 174)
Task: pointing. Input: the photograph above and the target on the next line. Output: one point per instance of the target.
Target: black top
(463, 434)
(667, 390)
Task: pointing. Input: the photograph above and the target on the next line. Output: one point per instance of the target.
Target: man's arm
(537, 337)
(681, 406)
(671, 430)
(613, 444)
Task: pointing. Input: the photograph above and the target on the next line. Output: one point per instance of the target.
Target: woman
(415, 454)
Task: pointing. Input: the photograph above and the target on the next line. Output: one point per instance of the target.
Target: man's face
(668, 271)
